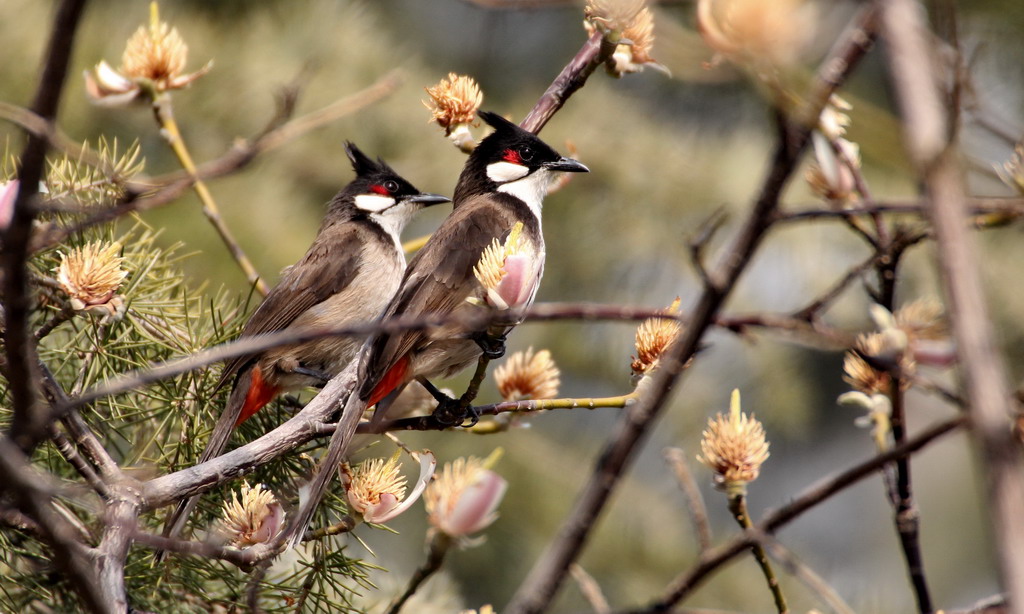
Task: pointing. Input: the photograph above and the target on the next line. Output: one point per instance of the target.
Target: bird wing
(440, 277)
(329, 266)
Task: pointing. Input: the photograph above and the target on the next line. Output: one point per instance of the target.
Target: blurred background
(665, 154)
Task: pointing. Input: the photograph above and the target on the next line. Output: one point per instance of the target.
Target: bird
(498, 197)
(348, 275)
(501, 187)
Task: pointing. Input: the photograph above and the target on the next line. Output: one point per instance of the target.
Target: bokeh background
(665, 153)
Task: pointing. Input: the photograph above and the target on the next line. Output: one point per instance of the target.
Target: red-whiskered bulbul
(502, 187)
(348, 275)
(503, 184)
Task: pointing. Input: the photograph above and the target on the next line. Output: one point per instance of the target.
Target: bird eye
(525, 153)
(391, 186)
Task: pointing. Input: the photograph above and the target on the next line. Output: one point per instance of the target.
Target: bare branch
(694, 501)
(804, 573)
(545, 312)
(29, 424)
(30, 490)
(163, 190)
(984, 377)
(593, 53)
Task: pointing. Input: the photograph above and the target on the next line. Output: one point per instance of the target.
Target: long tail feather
(311, 495)
(242, 399)
(391, 380)
(259, 393)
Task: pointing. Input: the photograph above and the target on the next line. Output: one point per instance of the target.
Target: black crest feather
(497, 121)
(362, 164)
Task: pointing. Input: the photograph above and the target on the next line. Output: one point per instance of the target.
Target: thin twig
(84, 438)
(345, 525)
(164, 112)
(545, 312)
(439, 547)
(738, 507)
(1013, 207)
(56, 320)
(207, 550)
(163, 190)
(29, 421)
(906, 517)
(84, 469)
(694, 501)
(590, 589)
(431, 423)
(805, 574)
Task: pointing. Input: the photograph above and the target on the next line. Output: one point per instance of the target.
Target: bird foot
(450, 411)
(493, 346)
(454, 412)
(314, 373)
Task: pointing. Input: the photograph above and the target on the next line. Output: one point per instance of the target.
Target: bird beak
(429, 199)
(566, 165)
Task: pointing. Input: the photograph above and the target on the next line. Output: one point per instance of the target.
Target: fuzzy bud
(526, 375)
(252, 516)
(91, 276)
(734, 447)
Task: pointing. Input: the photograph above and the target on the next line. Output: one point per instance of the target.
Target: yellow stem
(165, 116)
(413, 245)
(738, 507)
(493, 426)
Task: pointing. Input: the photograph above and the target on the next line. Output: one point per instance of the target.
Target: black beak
(566, 165)
(429, 199)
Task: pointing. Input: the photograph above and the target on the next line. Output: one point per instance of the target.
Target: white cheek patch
(374, 202)
(502, 172)
(530, 189)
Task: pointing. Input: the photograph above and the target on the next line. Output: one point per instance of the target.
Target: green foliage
(157, 428)
(98, 182)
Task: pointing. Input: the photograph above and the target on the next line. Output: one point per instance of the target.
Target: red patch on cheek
(512, 156)
(379, 189)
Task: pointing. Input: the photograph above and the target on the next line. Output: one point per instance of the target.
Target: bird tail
(242, 399)
(311, 495)
(394, 377)
(258, 392)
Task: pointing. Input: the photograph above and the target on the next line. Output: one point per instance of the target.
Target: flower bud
(153, 61)
(526, 375)
(734, 447)
(91, 276)
(464, 497)
(453, 105)
(376, 490)
(252, 516)
(507, 271)
(653, 337)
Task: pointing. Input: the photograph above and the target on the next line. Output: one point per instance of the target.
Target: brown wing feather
(440, 276)
(328, 267)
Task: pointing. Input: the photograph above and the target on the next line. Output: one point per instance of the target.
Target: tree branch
(29, 424)
(143, 197)
(989, 397)
(28, 489)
